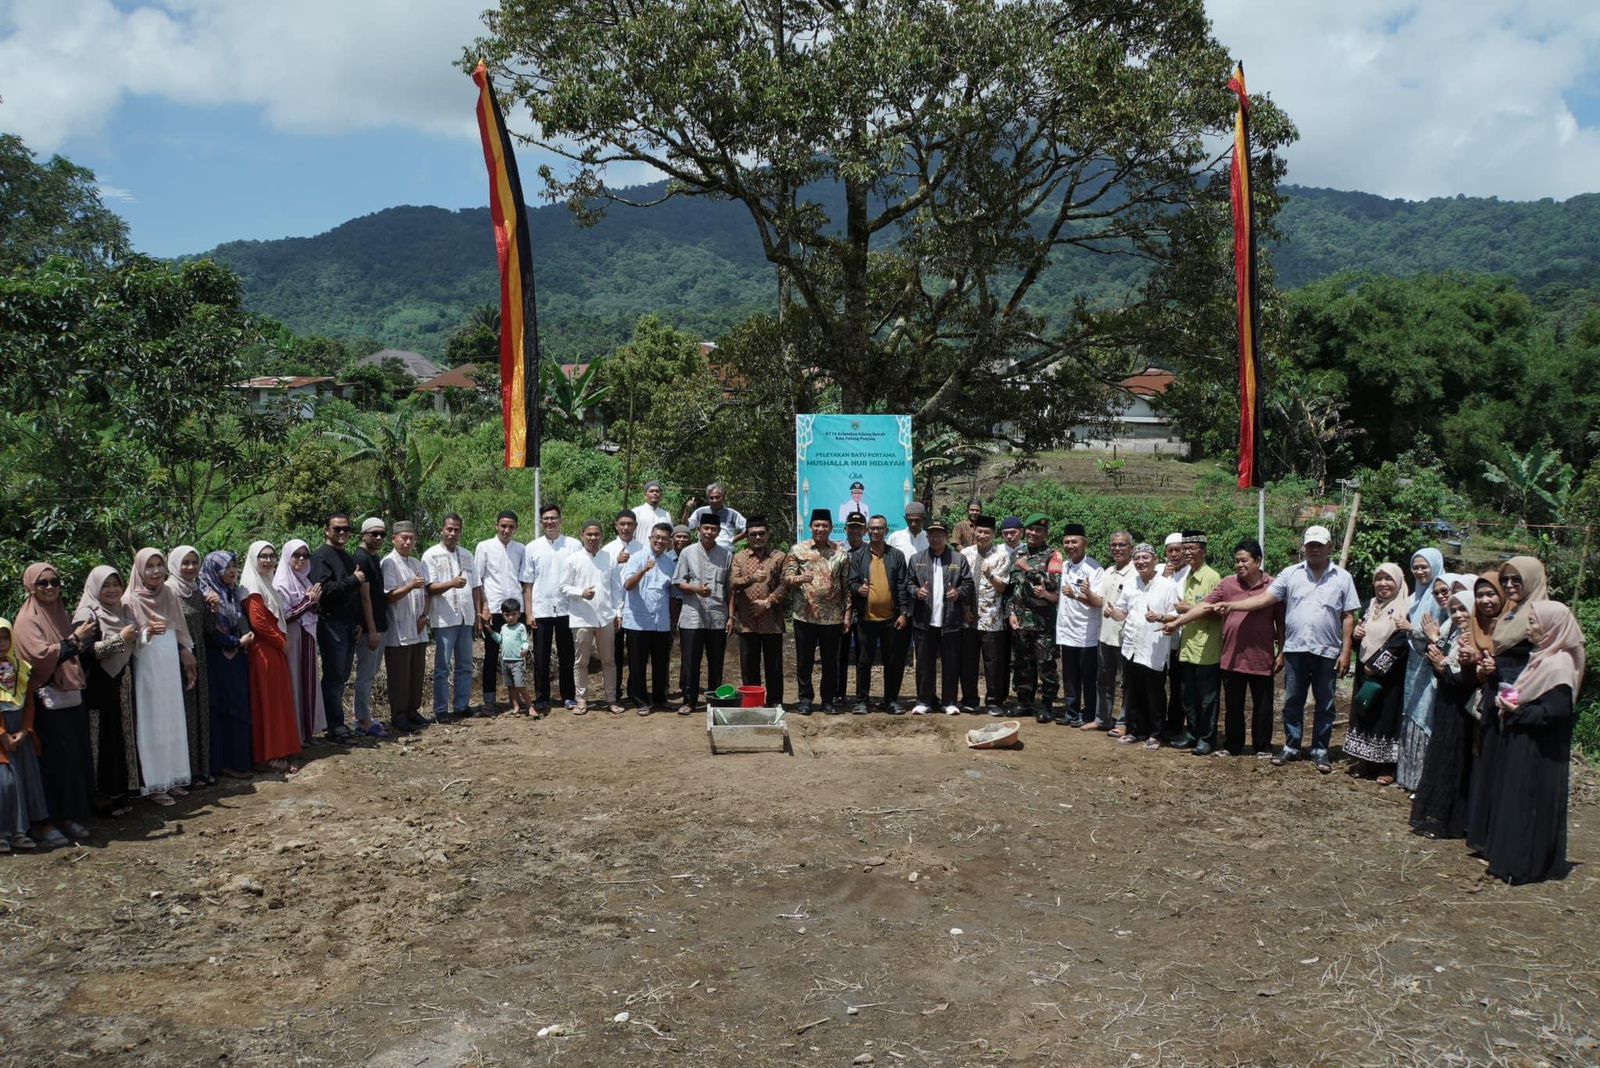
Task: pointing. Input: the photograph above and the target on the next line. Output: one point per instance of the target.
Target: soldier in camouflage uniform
(1031, 600)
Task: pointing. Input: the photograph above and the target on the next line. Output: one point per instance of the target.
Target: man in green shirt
(1200, 654)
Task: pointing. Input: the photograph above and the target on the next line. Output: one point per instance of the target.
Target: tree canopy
(968, 144)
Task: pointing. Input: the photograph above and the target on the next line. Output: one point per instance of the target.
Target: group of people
(188, 667)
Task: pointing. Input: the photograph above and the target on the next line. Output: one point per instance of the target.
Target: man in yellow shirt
(1200, 655)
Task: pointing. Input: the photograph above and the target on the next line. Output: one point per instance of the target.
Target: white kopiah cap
(1175, 538)
(371, 524)
(1317, 536)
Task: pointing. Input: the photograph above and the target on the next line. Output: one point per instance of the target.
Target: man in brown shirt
(966, 532)
(818, 573)
(758, 602)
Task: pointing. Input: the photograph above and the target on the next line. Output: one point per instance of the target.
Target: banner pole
(538, 505)
(1261, 518)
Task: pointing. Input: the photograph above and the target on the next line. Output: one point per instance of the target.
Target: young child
(514, 651)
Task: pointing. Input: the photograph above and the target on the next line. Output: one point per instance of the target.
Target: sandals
(178, 791)
(644, 710)
(163, 799)
(375, 730)
(616, 710)
(685, 710)
(1127, 739)
(22, 841)
(1117, 732)
(1384, 780)
(1152, 743)
(1324, 767)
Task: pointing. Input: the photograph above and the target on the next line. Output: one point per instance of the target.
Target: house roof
(281, 382)
(420, 367)
(463, 377)
(1151, 382)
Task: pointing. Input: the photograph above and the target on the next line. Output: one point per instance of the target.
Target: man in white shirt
(731, 522)
(499, 561)
(545, 606)
(1078, 628)
(1109, 654)
(593, 590)
(405, 584)
(453, 589)
(913, 539)
(648, 514)
(1147, 603)
(622, 548)
(857, 502)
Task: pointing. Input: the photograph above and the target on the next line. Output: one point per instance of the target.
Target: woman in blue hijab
(1417, 723)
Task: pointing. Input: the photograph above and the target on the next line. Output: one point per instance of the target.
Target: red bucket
(752, 697)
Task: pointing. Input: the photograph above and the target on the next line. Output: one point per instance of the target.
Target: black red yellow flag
(519, 320)
(1244, 273)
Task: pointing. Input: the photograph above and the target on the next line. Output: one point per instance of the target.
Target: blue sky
(215, 120)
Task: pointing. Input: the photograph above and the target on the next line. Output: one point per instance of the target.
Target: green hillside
(408, 276)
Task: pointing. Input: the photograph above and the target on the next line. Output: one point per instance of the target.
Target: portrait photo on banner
(848, 463)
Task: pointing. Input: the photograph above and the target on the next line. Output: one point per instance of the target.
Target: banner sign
(847, 463)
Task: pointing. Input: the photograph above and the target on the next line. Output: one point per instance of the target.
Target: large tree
(910, 167)
(52, 209)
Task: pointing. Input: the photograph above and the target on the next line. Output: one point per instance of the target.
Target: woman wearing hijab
(227, 643)
(1417, 723)
(1506, 650)
(183, 565)
(1374, 735)
(1439, 809)
(109, 689)
(163, 667)
(298, 597)
(1526, 837)
(22, 799)
(274, 725)
(51, 644)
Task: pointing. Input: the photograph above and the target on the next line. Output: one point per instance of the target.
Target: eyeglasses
(47, 584)
(550, 519)
(266, 556)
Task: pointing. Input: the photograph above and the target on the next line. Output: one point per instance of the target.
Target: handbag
(1381, 665)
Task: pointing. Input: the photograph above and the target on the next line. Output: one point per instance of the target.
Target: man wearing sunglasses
(342, 611)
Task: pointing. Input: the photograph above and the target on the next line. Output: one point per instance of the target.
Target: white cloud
(312, 67)
(1429, 97)
(115, 192)
(1415, 99)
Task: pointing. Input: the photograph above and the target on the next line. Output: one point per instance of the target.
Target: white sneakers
(920, 709)
(951, 710)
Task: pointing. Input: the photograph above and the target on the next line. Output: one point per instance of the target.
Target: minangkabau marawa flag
(1244, 273)
(519, 321)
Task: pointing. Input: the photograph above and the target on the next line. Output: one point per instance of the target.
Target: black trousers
(712, 642)
(1110, 657)
(881, 643)
(968, 657)
(557, 629)
(621, 658)
(762, 655)
(1080, 680)
(652, 649)
(1144, 699)
(1234, 686)
(1200, 684)
(809, 638)
(1176, 719)
(846, 640)
(938, 649)
(491, 658)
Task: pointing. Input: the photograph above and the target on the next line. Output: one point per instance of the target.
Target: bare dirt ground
(884, 896)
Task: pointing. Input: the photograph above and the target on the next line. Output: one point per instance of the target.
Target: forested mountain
(408, 276)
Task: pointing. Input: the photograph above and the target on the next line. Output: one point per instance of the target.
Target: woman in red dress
(277, 734)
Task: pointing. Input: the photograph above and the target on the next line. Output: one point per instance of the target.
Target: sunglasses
(338, 530)
(373, 533)
(47, 584)
(302, 555)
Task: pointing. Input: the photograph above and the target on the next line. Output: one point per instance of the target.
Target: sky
(214, 120)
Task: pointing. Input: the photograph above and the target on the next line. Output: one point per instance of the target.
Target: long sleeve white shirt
(1142, 641)
(541, 569)
(580, 572)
